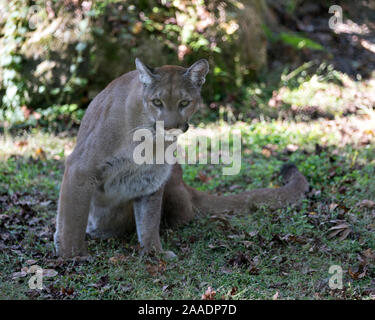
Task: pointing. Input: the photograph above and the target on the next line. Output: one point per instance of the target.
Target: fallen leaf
(49, 273)
(154, 268)
(103, 281)
(209, 294)
(117, 259)
(242, 260)
(369, 254)
(369, 291)
(368, 204)
(365, 258)
(359, 274)
(224, 221)
(233, 291)
(239, 260)
(67, 291)
(342, 229)
(33, 294)
(126, 288)
(288, 238)
(45, 203)
(21, 144)
(40, 153)
(203, 177)
(275, 296)
(253, 233)
(333, 206)
(247, 244)
(20, 274)
(165, 288)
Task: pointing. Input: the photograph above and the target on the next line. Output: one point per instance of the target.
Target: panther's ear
(146, 75)
(197, 72)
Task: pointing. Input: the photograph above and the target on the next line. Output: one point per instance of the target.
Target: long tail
(293, 190)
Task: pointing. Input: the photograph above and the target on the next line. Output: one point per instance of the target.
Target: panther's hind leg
(107, 222)
(177, 205)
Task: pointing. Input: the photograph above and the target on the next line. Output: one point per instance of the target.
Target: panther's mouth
(169, 135)
(172, 134)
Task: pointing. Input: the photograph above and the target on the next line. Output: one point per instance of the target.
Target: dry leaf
(247, 244)
(223, 220)
(49, 273)
(368, 204)
(126, 288)
(154, 269)
(20, 274)
(359, 274)
(209, 294)
(118, 258)
(233, 291)
(203, 178)
(369, 254)
(20, 144)
(67, 291)
(275, 296)
(342, 229)
(40, 154)
(333, 206)
(365, 258)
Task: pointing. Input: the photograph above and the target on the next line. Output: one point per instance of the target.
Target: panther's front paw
(69, 251)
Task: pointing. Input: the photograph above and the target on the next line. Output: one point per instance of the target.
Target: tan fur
(105, 194)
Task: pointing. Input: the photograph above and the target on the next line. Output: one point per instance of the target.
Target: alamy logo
(36, 281)
(336, 19)
(34, 16)
(335, 281)
(160, 146)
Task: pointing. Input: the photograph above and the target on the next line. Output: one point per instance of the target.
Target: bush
(65, 52)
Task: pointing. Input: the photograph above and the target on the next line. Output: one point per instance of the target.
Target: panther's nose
(185, 127)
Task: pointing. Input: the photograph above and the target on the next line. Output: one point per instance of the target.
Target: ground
(283, 254)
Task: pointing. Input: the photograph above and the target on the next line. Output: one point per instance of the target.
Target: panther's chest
(130, 183)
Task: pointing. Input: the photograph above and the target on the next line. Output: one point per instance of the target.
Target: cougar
(106, 194)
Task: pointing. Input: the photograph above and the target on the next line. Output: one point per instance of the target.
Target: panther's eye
(184, 103)
(157, 103)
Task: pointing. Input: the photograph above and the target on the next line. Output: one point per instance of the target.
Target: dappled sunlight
(37, 145)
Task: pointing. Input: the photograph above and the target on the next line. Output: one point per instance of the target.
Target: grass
(287, 251)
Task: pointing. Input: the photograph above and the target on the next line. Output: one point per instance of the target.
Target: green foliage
(295, 40)
(299, 42)
(56, 54)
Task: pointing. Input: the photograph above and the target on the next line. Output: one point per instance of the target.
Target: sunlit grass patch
(36, 144)
(329, 96)
(248, 257)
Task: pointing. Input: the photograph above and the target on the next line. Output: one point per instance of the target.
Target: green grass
(240, 257)
(252, 256)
